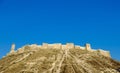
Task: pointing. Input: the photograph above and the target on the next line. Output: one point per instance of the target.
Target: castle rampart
(35, 47)
(70, 45)
(45, 45)
(105, 53)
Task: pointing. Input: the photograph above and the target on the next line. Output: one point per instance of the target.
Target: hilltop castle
(35, 47)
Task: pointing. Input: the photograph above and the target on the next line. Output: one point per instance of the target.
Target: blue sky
(80, 21)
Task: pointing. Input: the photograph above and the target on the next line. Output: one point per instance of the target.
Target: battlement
(35, 47)
(57, 45)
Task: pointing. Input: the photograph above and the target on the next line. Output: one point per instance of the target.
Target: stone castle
(58, 46)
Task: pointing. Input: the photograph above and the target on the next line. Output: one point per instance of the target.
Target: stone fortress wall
(60, 46)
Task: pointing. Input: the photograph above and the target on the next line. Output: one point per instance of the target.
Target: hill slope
(51, 60)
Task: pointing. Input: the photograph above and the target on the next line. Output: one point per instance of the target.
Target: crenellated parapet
(57, 45)
(35, 47)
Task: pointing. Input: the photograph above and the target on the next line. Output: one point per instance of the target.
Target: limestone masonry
(35, 47)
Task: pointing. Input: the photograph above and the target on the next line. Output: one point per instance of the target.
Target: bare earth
(58, 61)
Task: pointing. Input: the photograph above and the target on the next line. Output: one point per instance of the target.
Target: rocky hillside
(29, 59)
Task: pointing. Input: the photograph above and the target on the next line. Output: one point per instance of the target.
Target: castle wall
(52, 46)
(70, 45)
(77, 46)
(57, 46)
(35, 47)
(44, 45)
(105, 53)
(82, 47)
(63, 46)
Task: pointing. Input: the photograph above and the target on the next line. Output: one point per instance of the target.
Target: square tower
(88, 47)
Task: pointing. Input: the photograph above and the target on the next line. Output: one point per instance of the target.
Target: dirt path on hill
(57, 64)
(80, 64)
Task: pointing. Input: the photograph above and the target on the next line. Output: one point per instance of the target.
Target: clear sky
(79, 21)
